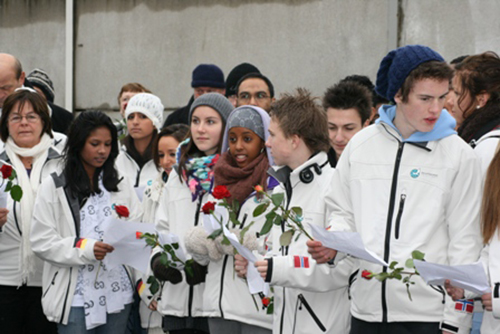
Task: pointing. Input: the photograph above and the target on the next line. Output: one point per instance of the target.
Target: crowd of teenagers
(410, 163)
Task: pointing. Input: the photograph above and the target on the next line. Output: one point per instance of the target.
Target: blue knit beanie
(397, 65)
(208, 75)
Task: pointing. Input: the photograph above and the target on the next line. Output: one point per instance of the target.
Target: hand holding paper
(346, 242)
(469, 276)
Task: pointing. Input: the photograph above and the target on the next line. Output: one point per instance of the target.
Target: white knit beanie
(147, 104)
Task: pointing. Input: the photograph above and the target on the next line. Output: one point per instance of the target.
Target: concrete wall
(309, 43)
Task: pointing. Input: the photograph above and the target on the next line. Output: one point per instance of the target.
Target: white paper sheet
(255, 282)
(210, 224)
(130, 249)
(468, 276)
(346, 242)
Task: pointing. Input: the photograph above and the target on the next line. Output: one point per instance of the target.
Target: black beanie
(236, 74)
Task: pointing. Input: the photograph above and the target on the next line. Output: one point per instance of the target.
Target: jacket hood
(445, 125)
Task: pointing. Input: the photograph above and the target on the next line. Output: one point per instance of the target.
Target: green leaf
(417, 255)
(215, 234)
(175, 245)
(150, 242)
(236, 206)
(277, 220)
(164, 259)
(271, 214)
(8, 186)
(409, 264)
(381, 276)
(167, 247)
(13, 175)
(260, 209)
(225, 241)
(188, 268)
(244, 231)
(393, 264)
(398, 276)
(297, 210)
(277, 198)
(16, 193)
(286, 238)
(270, 309)
(266, 227)
(154, 285)
(408, 291)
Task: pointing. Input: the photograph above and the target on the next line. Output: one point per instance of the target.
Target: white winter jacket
(54, 236)
(177, 214)
(402, 196)
(226, 295)
(296, 277)
(11, 234)
(139, 177)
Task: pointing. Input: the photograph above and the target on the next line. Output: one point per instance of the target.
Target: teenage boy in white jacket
(307, 298)
(408, 183)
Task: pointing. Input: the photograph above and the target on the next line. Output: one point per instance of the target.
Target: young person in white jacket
(164, 150)
(79, 293)
(242, 166)
(476, 86)
(408, 183)
(25, 129)
(189, 186)
(307, 298)
(144, 115)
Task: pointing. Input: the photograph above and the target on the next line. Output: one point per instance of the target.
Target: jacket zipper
(387, 243)
(224, 263)
(352, 279)
(301, 300)
(51, 283)
(284, 250)
(191, 288)
(400, 213)
(15, 218)
(67, 294)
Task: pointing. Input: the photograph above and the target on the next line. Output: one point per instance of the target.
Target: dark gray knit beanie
(216, 101)
(247, 117)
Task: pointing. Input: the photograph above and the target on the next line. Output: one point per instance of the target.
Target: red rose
(122, 211)
(367, 274)
(208, 207)
(266, 301)
(221, 192)
(6, 171)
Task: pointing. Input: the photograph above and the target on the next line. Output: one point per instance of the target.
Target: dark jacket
(61, 118)
(180, 116)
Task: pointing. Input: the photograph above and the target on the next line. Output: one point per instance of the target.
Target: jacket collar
(285, 173)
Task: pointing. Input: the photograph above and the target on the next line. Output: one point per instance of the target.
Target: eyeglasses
(30, 118)
(246, 97)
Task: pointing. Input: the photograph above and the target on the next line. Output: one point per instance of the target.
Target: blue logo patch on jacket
(415, 173)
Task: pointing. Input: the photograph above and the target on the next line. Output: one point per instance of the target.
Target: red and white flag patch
(465, 305)
(301, 261)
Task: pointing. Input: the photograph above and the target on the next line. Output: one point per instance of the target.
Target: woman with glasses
(25, 128)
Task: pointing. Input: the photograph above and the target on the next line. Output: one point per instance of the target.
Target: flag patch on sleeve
(140, 287)
(301, 261)
(80, 243)
(465, 305)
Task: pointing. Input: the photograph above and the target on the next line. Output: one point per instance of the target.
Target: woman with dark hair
(476, 85)
(164, 149)
(144, 114)
(189, 186)
(81, 294)
(25, 128)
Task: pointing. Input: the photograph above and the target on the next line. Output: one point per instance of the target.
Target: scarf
(241, 181)
(102, 290)
(199, 172)
(29, 184)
